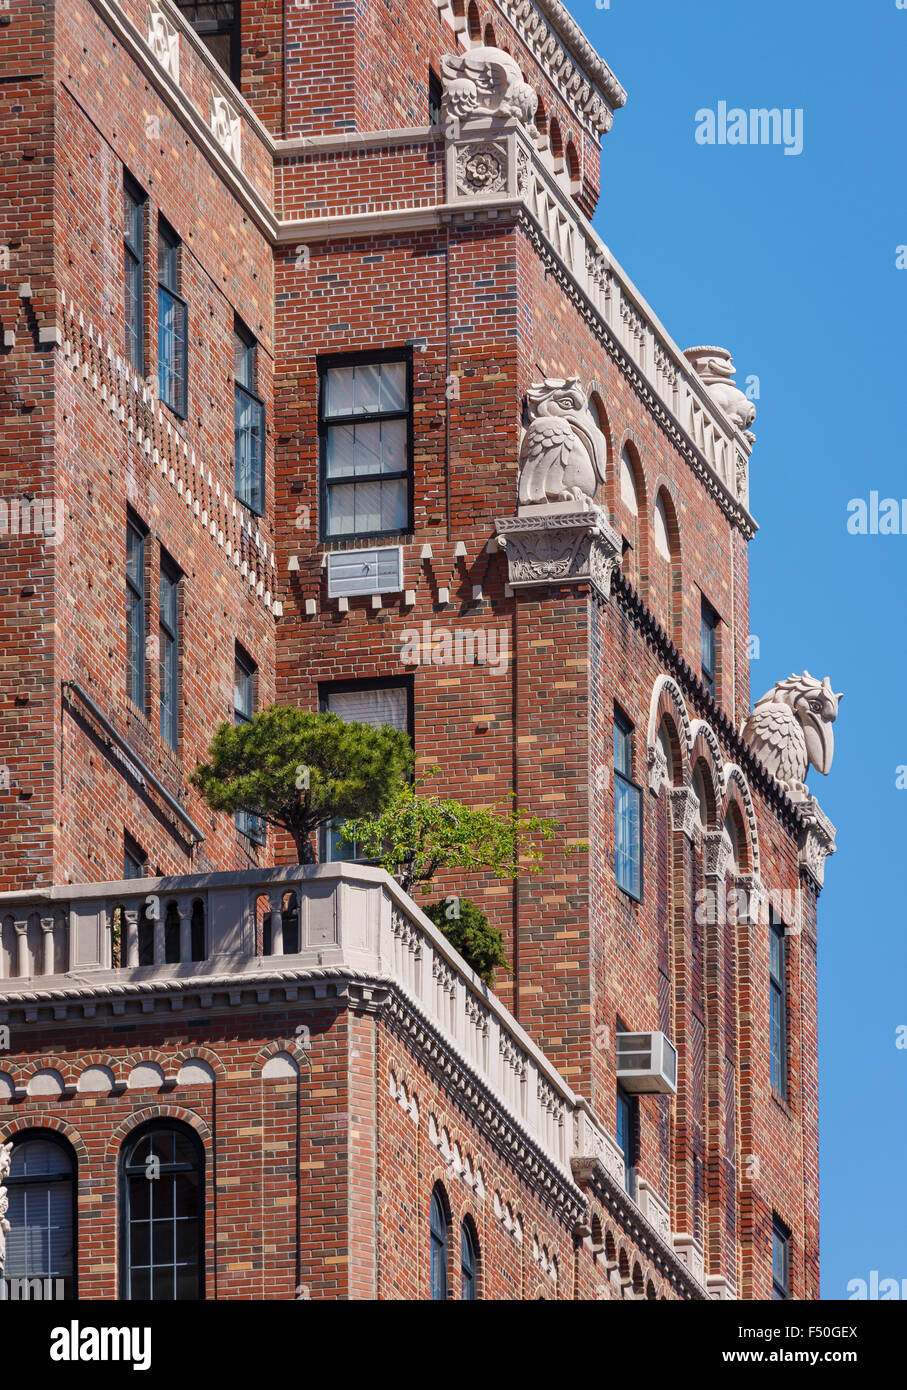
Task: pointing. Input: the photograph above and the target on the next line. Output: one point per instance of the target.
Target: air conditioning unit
(647, 1064)
(355, 572)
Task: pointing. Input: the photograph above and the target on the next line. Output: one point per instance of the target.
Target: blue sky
(790, 261)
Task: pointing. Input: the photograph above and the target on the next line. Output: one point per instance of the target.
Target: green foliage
(413, 836)
(468, 930)
(300, 770)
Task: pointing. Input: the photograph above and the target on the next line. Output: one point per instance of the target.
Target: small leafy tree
(413, 836)
(468, 930)
(299, 770)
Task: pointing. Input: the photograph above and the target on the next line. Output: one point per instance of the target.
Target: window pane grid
(169, 657)
(172, 349)
(135, 616)
(365, 427)
(249, 430)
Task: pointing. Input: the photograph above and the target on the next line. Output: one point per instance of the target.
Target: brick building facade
(309, 349)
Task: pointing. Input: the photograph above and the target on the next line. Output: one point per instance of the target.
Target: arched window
(439, 1245)
(557, 145)
(473, 23)
(161, 1203)
(42, 1209)
(573, 168)
(469, 1261)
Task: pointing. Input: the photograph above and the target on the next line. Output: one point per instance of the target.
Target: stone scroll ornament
(791, 728)
(486, 84)
(563, 455)
(6, 1158)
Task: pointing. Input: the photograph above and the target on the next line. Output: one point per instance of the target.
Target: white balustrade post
(275, 901)
(184, 908)
(132, 936)
(21, 930)
(47, 941)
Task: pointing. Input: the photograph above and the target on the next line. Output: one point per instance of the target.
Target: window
(780, 1259)
(170, 653)
(439, 1243)
(135, 611)
(134, 202)
(161, 1213)
(244, 672)
(172, 329)
(626, 1137)
(135, 860)
(218, 26)
(364, 702)
(469, 1262)
(365, 432)
(249, 423)
(627, 811)
(435, 95)
(778, 1005)
(41, 1190)
(709, 644)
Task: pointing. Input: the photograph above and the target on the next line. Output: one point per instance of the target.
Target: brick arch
(199, 1052)
(101, 1059)
(705, 754)
(43, 1119)
(149, 1054)
(49, 1062)
(737, 792)
(121, 1131)
(288, 1045)
(596, 396)
(640, 526)
(663, 494)
(667, 702)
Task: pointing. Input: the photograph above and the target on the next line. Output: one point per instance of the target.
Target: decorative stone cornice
(568, 59)
(817, 840)
(555, 543)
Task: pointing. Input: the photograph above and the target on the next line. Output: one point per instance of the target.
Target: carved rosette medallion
(481, 168)
(226, 127)
(545, 545)
(163, 40)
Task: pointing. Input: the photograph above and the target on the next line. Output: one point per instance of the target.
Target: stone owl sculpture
(563, 455)
(486, 82)
(791, 728)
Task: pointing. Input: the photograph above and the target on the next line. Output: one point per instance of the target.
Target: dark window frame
(134, 266)
(625, 779)
(628, 1105)
(170, 573)
(439, 1237)
(469, 1261)
(346, 687)
(778, 1007)
(435, 97)
(252, 827)
(137, 670)
(327, 363)
(212, 27)
(781, 1238)
(246, 397)
(167, 291)
(134, 854)
(24, 1136)
(123, 1195)
(709, 622)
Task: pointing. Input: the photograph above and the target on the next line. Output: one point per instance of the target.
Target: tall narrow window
(439, 1246)
(709, 646)
(135, 611)
(172, 327)
(134, 204)
(626, 1137)
(780, 1259)
(161, 1213)
(170, 649)
(365, 431)
(627, 811)
(363, 702)
(244, 672)
(249, 423)
(469, 1263)
(217, 25)
(135, 860)
(778, 1005)
(435, 97)
(42, 1210)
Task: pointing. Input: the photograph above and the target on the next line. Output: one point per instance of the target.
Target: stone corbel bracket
(817, 839)
(559, 543)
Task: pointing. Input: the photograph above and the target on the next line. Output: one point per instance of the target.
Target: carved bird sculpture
(563, 454)
(791, 728)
